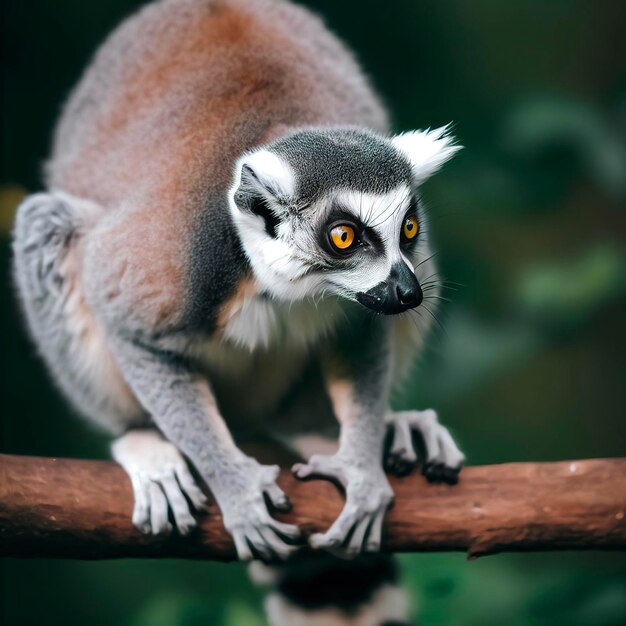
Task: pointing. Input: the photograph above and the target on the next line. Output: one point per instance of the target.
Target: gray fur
(184, 409)
(361, 357)
(353, 158)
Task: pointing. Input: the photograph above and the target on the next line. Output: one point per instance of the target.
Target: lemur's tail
(46, 241)
(318, 589)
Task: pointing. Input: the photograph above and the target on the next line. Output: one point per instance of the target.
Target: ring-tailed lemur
(226, 218)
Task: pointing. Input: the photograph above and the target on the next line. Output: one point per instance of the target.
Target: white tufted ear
(271, 172)
(427, 150)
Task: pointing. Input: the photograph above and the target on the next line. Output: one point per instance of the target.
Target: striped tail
(318, 589)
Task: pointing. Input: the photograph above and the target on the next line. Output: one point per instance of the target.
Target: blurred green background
(530, 221)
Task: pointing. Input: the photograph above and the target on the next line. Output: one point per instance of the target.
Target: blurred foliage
(537, 126)
(567, 293)
(529, 221)
(10, 197)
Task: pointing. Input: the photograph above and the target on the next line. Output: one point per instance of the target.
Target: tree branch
(82, 509)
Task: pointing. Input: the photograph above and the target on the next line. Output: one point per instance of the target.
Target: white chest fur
(262, 323)
(263, 347)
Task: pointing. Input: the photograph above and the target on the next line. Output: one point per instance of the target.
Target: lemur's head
(338, 210)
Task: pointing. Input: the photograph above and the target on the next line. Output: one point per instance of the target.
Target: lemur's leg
(443, 459)
(48, 236)
(357, 376)
(305, 591)
(160, 477)
(48, 232)
(185, 410)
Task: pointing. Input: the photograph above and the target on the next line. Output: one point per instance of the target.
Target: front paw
(246, 517)
(161, 482)
(368, 496)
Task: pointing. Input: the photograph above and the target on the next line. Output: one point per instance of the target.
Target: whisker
(427, 259)
(414, 320)
(436, 319)
(434, 297)
(399, 207)
(444, 284)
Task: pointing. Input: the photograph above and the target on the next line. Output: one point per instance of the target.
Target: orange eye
(410, 227)
(342, 236)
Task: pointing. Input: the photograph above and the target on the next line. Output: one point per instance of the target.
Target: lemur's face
(338, 211)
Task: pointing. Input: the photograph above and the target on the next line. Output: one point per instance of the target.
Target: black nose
(407, 290)
(400, 292)
(409, 295)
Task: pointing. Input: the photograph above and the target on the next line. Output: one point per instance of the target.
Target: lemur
(231, 241)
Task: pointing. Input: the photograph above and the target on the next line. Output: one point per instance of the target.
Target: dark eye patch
(259, 206)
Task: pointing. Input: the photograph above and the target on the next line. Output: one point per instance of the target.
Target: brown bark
(82, 509)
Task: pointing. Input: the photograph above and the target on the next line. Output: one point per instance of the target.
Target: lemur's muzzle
(399, 292)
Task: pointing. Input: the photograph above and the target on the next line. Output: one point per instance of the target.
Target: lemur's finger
(374, 538)
(431, 443)
(337, 533)
(158, 510)
(283, 550)
(277, 497)
(271, 472)
(397, 465)
(331, 540)
(402, 460)
(427, 424)
(141, 510)
(319, 465)
(302, 470)
(241, 545)
(258, 543)
(192, 491)
(355, 545)
(319, 541)
(185, 521)
(439, 472)
(290, 531)
(452, 456)
(402, 445)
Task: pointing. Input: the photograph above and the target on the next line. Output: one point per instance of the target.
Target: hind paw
(443, 459)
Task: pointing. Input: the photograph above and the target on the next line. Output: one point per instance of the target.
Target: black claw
(263, 553)
(284, 506)
(438, 472)
(404, 469)
(432, 472)
(451, 475)
(398, 466)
